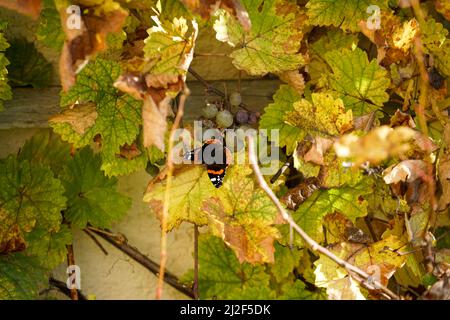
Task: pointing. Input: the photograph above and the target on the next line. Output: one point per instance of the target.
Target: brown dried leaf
(252, 241)
(84, 43)
(340, 228)
(443, 7)
(11, 238)
(407, 171)
(28, 7)
(80, 117)
(206, 9)
(130, 152)
(444, 172)
(402, 119)
(317, 151)
(294, 78)
(154, 121)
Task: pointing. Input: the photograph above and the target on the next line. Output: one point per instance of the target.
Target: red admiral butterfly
(216, 156)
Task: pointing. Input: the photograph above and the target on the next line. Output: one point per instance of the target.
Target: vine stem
(71, 262)
(358, 274)
(420, 111)
(196, 234)
(165, 211)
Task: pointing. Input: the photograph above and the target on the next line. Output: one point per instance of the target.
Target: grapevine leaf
(92, 197)
(31, 195)
(11, 237)
(20, 277)
(220, 271)
(159, 76)
(5, 89)
(79, 118)
(47, 149)
(347, 200)
(412, 272)
(117, 118)
(343, 14)
(189, 188)
(298, 291)
(123, 166)
(49, 247)
(436, 43)
(252, 293)
(325, 116)
(334, 39)
(50, 31)
(360, 84)
(378, 257)
(27, 65)
(273, 41)
(169, 47)
(286, 259)
(274, 118)
(243, 216)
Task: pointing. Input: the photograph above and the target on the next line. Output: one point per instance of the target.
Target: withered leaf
(28, 7)
(80, 116)
(84, 43)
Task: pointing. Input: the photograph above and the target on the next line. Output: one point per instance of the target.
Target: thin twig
(71, 262)
(95, 241)
(420, 111)
(355, 272)
(206, 54)
(196, 295)
(165, 211)
(118, 242)
(62, 287)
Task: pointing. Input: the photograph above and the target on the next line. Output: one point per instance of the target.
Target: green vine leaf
(286, 260)
(274, 118)
(325, 116)
(169, 46)
(436, 43)
(5, 89)
(334, 39)
(20, 277)
(47, 149)
(50, 31)
(190, 187)
(298, 291)
(243, 216)
(220, 272)
(273, 42)
(118, 115)
(49, 247)
(343, 14)
(27, 65)
(92, 197)
(31, 195)
(361, 84)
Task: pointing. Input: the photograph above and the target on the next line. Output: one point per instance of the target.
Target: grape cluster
(225, 118)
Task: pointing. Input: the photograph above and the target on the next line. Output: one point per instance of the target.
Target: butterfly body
(216, 156)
